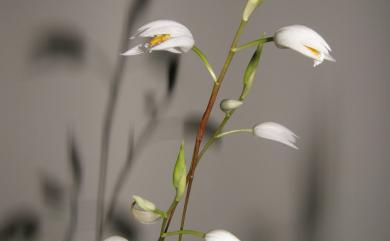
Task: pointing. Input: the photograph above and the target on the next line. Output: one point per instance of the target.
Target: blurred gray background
(59, 57)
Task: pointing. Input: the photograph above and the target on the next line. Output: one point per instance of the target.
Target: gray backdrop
(334, 188)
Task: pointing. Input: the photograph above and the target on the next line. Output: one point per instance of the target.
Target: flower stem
(187, 231)
(232, 132)
(208, 66)
(205, 118)
(167, 220)
(253, 43)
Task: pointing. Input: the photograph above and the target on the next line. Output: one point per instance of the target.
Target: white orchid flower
(305, 41)
(115, 238)
(162, 35)
(220, 235)
(276, 132)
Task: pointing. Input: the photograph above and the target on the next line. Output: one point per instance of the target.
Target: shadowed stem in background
(76, 168)
(115, 83)
(133, 151)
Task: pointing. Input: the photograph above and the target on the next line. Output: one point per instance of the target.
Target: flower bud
(275, 132)
(179, 176)
(250, 72)
(145, 217)
(144, 204)
(250, 6)
(227, 105)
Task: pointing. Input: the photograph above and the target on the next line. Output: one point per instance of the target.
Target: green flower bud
(179, 176)
(227, 105)
(144, 204)
(250, 6)
(250, 72)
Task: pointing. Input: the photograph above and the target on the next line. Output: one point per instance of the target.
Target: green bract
(250, 72)
(180, 173)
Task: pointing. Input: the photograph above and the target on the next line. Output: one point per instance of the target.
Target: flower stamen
(314, 51)
(158, 39)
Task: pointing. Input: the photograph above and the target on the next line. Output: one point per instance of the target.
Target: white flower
(305, 41)
(220, 235)
(276, 132)
(115, 238)
(166, 35)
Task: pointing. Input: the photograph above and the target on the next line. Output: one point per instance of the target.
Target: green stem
(208, 66)
(167, 220)
(185, 231)
(205, 118)
(254, 43)
(232, 132)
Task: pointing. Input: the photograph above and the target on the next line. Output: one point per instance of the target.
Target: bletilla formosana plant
(171, 36)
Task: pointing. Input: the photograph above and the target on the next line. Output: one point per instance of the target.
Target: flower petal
(173, 30)
(184, 44)
(138, 49)
(162, 27)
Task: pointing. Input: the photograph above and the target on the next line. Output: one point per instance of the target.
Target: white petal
(174, 31)
(138, 49)
(220, 235)
(174, 50)
(184, 43)
(162, 27)
(115, 238)
(276, 132)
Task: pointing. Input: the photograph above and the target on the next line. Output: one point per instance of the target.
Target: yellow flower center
(314, 51)
(158, 39)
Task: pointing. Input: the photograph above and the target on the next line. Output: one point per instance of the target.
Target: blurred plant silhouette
(59, 43)
(20, 224)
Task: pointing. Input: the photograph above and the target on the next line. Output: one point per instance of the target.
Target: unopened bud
(145, 217)
(144, 204)
(227, 105)
(250, 72)
(179, 176)
(250, 6)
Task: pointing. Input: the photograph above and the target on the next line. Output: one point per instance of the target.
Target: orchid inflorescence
(171, 36)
